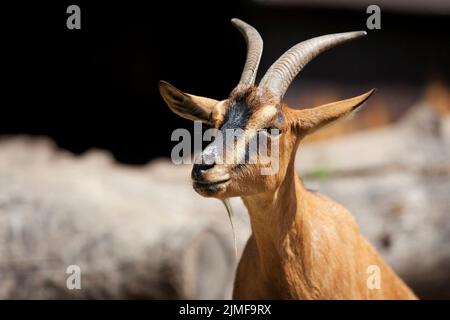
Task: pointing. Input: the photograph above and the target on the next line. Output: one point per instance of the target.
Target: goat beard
(226, 202)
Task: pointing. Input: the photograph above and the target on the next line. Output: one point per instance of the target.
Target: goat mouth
(210, 187)
(204, 183)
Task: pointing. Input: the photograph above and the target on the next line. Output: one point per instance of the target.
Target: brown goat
(303, 244)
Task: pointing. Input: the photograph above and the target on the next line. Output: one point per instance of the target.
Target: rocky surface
(142, 232)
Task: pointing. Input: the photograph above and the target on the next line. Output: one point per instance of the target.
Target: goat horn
(280, 75)
(254, 51)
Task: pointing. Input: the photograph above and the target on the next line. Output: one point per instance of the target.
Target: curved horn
(280, 75)
(254, 51)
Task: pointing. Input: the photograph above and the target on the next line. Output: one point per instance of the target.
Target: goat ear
(309, 120)
(186, 105)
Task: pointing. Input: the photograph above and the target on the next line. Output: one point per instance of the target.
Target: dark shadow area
(97, 87)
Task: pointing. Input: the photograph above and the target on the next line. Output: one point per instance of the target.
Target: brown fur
(306, 246)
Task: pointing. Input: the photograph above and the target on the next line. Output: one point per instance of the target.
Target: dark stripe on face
(236, 117)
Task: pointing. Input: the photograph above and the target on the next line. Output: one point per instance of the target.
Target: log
(134, 232)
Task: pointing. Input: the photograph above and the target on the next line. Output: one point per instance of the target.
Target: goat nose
(200, 168)
(207, 161)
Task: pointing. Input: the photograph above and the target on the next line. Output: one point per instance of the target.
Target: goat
(303, 244)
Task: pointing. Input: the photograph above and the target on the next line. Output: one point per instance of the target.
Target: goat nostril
(205, 166)
(199, 169)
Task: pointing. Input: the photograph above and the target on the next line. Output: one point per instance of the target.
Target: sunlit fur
(303, 244)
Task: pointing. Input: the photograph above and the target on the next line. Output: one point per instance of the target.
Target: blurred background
(85, 174)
